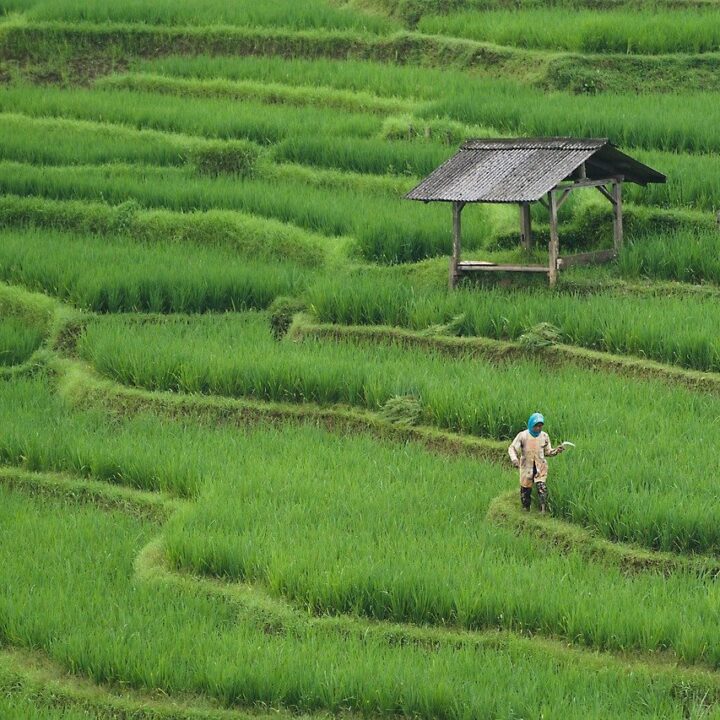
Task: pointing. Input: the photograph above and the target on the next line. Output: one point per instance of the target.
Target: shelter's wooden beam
(587, 183)
(563, 197)
(554, 246)
(603, 191)
(468, 266)
(455, 259)
(525, 226)
(617, 216)
(589, 258)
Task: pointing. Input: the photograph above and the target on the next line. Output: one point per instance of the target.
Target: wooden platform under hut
(528, 170)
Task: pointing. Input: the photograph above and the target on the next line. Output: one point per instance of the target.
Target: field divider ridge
(506, 351)
(81, 385)
(38, 41)
(266, 92)
(505, 510)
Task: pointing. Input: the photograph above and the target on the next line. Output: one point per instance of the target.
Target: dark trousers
(526, 495)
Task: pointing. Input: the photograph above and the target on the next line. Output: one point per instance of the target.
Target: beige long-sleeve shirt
(528, 452)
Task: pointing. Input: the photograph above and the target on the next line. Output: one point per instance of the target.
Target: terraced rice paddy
(252, 451)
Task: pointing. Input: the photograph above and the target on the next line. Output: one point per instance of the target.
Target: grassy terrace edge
(107, 47)
(503, 350)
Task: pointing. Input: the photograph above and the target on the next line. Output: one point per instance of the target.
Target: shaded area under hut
(527, 170)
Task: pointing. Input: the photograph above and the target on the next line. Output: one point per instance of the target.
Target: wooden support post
(554, 246)
(617, 216)
(455, 259)
(525, 226)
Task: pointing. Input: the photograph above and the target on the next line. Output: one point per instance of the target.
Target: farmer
(528, 452)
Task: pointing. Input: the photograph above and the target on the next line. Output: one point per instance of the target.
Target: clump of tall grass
(231, 158)
(18, 341)
(540, 335)
(402, 410)
(281, 312)
(121, 275)
(447, 132)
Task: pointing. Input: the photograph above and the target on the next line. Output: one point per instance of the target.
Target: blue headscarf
(533, 420)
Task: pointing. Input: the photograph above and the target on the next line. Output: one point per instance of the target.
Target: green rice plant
(12, 6)
(692, 181)
(249, 237)
(297, 14)
(25, 320)
(236, 356)
(31, 710)
(269, 93)
(332, 180)
(412, 11)
(363, 155)
(120, 275)
(237, 158)
(58, 141)
(216, 118)
(176, 639)
(670, 328)
(684, 256)
(62, 559)
(447, 132)
(679, 122)
(18, 341)
(657, 31)
(413, 525)
(447, 566)
(386, 229)
(406, 81)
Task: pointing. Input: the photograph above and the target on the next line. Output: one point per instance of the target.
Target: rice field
(203, 519)
(585, 31)
(385, 584)
(236, 356)
(122, 275)
(296, 14)
(671, 327)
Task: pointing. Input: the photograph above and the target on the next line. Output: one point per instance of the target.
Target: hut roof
(525, 169)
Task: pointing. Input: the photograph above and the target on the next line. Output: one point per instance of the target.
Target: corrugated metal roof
(524, 169)
(553, 143)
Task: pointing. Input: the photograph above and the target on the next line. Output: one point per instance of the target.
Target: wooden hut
(527, 170)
